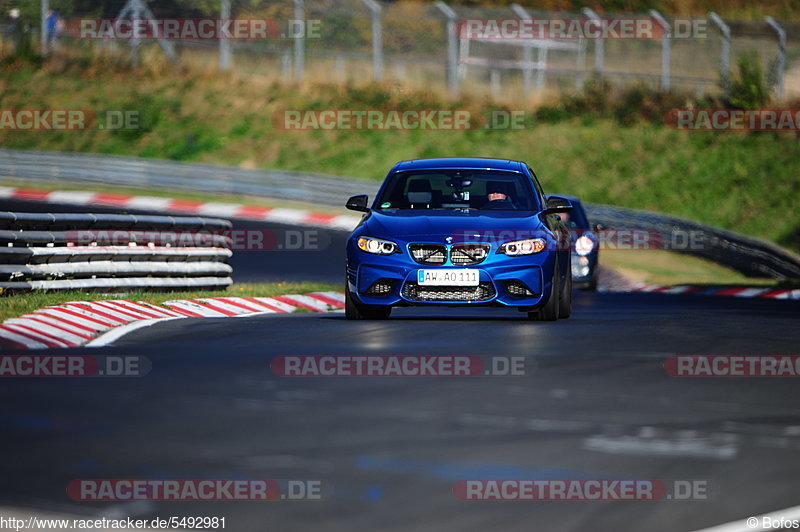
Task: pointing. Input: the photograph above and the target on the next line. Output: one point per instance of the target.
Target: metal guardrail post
(781, 66)
(494, 83)
(377, 39)
(540, 74)
(452, 47)
(665, 48)
(286, 65)
(138, 9)
(581, 65)
(45, 44)
(527, 54)
(599, 44)
(299, 41)
(725, 59)
(225, 44)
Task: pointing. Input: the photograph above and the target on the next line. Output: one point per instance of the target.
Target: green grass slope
(745, 182)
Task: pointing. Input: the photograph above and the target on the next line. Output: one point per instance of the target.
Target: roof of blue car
(567, 196)
(459, 162)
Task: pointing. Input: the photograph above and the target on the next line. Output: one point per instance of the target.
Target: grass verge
(16, 305)
(667, 268)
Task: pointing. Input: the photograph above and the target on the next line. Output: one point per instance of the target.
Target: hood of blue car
(414, 224)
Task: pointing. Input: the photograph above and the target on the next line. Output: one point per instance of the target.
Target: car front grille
(428, 253)
(469, 254)
(415, 292)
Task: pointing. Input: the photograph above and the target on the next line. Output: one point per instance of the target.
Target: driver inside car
(498, 196)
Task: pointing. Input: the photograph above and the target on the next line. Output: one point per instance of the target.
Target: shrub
(749, 88)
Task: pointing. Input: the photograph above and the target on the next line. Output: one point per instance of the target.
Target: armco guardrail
(748, 255)
(152, 173)
(112, 252)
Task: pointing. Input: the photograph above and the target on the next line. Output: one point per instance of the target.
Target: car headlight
(377, 246)
(584, 245)
(523, 247)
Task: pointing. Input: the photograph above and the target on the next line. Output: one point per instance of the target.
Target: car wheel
(549, 312)
(357, 311)
(565, 305)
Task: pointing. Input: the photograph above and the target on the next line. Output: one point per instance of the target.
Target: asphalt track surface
(595, 402)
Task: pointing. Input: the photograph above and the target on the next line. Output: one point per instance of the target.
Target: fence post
(494, 83)
(581, 65)
(299, 41)
(725, 60)
(44, 44)
(781, 54)
(541, 58)
(377, 39)
(286, 65)
(463, 54)
(527, 55)
(138, 10)
(452, 48)
(599, 44)
(225, 44)
(340, 71)
(665, 48)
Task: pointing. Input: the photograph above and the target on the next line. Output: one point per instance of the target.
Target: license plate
(461, 277)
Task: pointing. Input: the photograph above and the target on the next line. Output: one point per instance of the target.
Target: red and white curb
(178, 206)
(101, 322)
(770, 293)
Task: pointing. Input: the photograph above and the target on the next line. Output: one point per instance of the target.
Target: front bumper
(396, 277)
(584, 269)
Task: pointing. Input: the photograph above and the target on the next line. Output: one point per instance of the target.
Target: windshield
(458, 189)
(576, 218)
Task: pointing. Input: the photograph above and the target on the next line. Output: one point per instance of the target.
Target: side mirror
(358, 203)
(556, 204)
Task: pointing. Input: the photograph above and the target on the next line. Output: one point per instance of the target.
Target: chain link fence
(419, 44)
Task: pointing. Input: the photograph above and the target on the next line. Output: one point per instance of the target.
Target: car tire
(549, 312)
(565, 304)
(357, 311)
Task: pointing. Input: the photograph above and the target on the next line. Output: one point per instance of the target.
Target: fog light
(518, 289)
(580, 270)
(380, 287)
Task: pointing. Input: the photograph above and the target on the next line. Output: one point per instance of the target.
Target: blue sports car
(459, 232)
